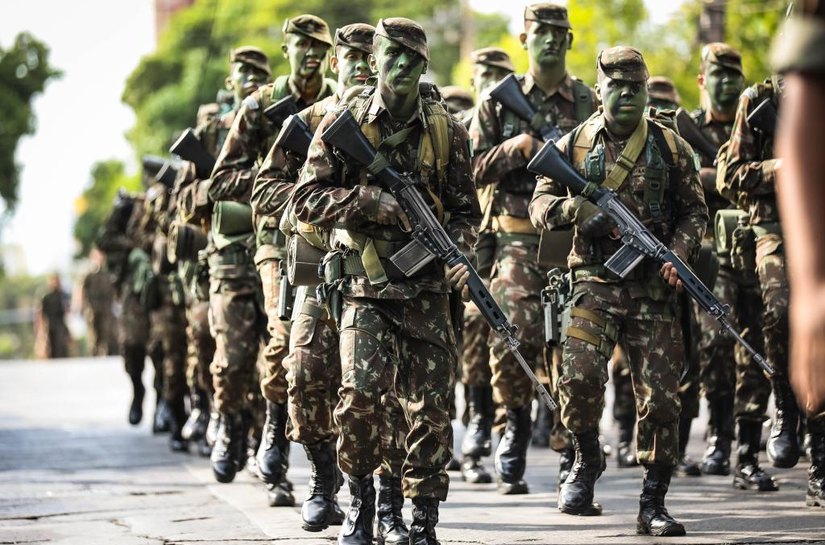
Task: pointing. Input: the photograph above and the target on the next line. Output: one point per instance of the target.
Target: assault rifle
(428, 234)
(294, 136)
(764, 117)
(508, 93)
(638, 241)
(278, 112)
(690, 132)
(190, 148)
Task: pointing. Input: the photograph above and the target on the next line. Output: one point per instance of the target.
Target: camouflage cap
(207, 112)
(548, 13)
(252, 56)
(458, 97)
(310, 26)
(622, 63)
(662, 88)
(722, 54)
(406, 32)
(355, 36)
(492, 56)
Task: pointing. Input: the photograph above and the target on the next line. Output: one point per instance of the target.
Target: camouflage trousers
(133, 337)
(651, 336)
(273, 378)
(560, 438)
(773, 282)
(516, 286)
(100, 322)
(169, 320)
(406, 347)
(624, 402)
(475, 353)
(200, 347)
(727, 371)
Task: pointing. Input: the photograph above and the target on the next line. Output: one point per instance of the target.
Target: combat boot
(576, 495)
(391, 527)
(425, 518)
(273, 454)
(136, 406)
(357, 527)
(720, 434)
(473, 471)
(747, 474)
(653, 517)
(783, 444)
(195, 427)
(178, 417)
(227, 451)
(161, 423)
(625, 456)
(318, 510)
(815, 496)
(476, 441)
(511, 454)
(685, 467)
(566, 459)
(542, 426)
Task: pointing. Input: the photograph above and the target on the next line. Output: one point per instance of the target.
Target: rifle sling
(627, 158)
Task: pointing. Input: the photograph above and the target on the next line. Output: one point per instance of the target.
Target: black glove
(592, 221)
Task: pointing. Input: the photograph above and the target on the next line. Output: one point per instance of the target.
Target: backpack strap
(654, 194)
(583, 100)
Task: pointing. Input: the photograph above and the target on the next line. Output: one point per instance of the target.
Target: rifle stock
(508, 93)
(278, 112)
(764, 117)
(190, 148)
(294, 136)
(690, 132)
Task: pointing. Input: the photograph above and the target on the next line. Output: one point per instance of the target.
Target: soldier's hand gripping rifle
(428, 234)
(638, 241)
(294, 136)
(508, 93)
(189, 147)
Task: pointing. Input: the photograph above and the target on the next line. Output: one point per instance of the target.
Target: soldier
(52, 319)
(503, 144)
(658, 180)
(458, 100)
(98, 298)
(313, 362)
(800, 187)
(306, 45)
(733, 383)
(396, 332)
(490, 65)
(663, 94)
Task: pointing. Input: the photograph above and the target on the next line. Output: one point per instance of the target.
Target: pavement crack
(156, 493)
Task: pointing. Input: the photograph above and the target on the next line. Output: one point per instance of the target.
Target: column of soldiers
(293, 320)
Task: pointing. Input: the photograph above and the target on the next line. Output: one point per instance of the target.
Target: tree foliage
(24, 71)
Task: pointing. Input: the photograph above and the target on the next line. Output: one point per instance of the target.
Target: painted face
(624, 102)
(547, 44)
(352, 66)
(661, 104)
(485, 76)
(399, 69)
(307, 56)
(724, 86)
(244, 79)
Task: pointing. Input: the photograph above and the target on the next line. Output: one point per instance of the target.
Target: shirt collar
(377, 107)
(565, 88)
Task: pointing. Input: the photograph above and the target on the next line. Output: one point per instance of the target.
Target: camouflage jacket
(249, 140)
(718, 133)
(333, 193)
(750, 171)
(684, 209)
(496, 161)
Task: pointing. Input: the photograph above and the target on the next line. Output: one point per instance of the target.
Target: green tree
(24, 71)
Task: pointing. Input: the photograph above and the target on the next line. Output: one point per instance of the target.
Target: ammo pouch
(725, 223)
(230, 218)
(329, 292)
(706, 266)
(554, 247)
(743, 248)
(302, 262)
(184, 242)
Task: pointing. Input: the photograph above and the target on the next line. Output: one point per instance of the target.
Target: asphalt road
(73, 471)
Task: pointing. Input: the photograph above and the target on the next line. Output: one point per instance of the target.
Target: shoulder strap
(280, 88)
(582, 140)
(583, 100)
(655, 193)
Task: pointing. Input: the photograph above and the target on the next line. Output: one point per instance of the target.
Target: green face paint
(399, 68)
(724, 86)
(624, 103)
(546, 44)
(485, 76)
(353, 68)
(245, 79)
(307, 56)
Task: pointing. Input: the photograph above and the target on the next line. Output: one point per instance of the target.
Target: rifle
(638, 241)
(190, 148)
(428, 234)
(763, 118)
(167, 175)
(508, 93)
(690, 132)
(294, 136)
(278, 112)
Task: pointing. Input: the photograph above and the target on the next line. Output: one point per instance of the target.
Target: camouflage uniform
(98, 298)
(53, 313)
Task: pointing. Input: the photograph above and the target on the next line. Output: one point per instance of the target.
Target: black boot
(227, 452)
(318, 510)
(178, 417)
(357, 527)
(473, 471)
(273, 454)
(195, 427)
(162, 421)
(625, 455)
(815, 496)
(720, 434)
(653, 517)
(476, 442)
(685, 467)
(576, 495)
(425, 518)
(748, 475)
(511, 454)
(566, 459)
(542, 427)
(391, 527)
(136, 406)
(783, 444)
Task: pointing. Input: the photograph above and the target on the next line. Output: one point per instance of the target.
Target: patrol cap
(622, 63)
(492, 56)
(310, 26)
(548, 13)
(722, 54)
(355, 36)
(252, 56)
(405, 32)
(662, 88)
(208, 111)
(457, 98)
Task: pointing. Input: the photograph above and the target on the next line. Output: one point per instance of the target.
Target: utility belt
(513, 225)
(553, 246)
(642, 279)
(352, 265)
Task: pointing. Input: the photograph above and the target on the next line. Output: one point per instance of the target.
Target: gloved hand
(592, 221)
